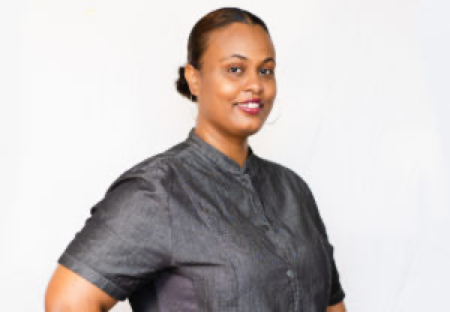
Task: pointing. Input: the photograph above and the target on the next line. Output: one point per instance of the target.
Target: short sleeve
(126, 238)
(337, 293)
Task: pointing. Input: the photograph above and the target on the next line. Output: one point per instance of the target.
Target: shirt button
(290, 273)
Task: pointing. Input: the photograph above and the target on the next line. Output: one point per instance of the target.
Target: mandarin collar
(219, 158)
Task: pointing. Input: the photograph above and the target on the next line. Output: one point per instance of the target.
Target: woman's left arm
(340, 307)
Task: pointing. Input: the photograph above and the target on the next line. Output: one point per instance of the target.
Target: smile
(252, 108)
(250, 105)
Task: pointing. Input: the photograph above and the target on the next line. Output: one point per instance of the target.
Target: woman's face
(237, 66)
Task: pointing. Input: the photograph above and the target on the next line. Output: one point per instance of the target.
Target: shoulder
(153, 169)
(294, 184)
(289, 182)
(276, 170)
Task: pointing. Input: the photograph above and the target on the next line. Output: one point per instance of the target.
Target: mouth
(251, 104)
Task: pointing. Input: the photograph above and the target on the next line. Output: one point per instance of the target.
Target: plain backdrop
(362, 114)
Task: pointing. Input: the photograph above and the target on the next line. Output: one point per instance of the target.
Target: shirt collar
(219, 158)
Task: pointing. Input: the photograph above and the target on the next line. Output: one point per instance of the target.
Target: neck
(234, 147)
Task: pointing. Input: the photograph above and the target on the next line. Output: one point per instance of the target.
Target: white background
(362, 115)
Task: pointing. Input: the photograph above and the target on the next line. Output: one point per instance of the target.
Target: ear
(193, 78)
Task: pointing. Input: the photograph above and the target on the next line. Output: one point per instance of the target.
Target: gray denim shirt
(189, 229)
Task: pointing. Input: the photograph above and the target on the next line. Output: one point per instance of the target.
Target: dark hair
(198, 38)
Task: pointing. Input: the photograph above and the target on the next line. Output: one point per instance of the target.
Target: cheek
(271, 89)
(221, 88)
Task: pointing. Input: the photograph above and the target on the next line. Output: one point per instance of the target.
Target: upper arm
(67, 290)
(126, 239)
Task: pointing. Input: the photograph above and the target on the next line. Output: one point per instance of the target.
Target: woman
(207, 225)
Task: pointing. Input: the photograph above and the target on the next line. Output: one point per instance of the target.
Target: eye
(268, 71)
(234, 69)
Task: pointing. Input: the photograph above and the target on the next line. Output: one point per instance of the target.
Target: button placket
(290, 273)
(245, 180)
(261, 221)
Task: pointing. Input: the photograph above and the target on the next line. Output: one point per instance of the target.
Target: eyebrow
(245, 58)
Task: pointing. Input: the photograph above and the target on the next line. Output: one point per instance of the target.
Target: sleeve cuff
(336, 297)
(92, 276)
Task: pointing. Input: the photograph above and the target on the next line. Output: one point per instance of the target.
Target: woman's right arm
(125, 240)
(69, 292)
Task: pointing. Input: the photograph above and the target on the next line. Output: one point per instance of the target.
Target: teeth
(250, 105)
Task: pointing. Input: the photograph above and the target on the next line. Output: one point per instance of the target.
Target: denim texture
(189, 229)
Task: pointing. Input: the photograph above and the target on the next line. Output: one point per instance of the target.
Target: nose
(254, 83)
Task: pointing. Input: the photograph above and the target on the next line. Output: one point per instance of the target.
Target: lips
(251, 103)
(251, 106)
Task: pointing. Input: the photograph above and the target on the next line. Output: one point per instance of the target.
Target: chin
(249, 129)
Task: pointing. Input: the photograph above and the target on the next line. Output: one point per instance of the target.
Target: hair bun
(182, 85)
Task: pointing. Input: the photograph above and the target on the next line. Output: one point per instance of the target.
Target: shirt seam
(236, 278)
(170, 218)
(169, 215)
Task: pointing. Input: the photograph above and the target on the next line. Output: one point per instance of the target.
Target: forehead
(251, 41)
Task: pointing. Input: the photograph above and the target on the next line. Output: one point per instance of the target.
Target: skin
(225, 80)
(222, 81)
(68, 291)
